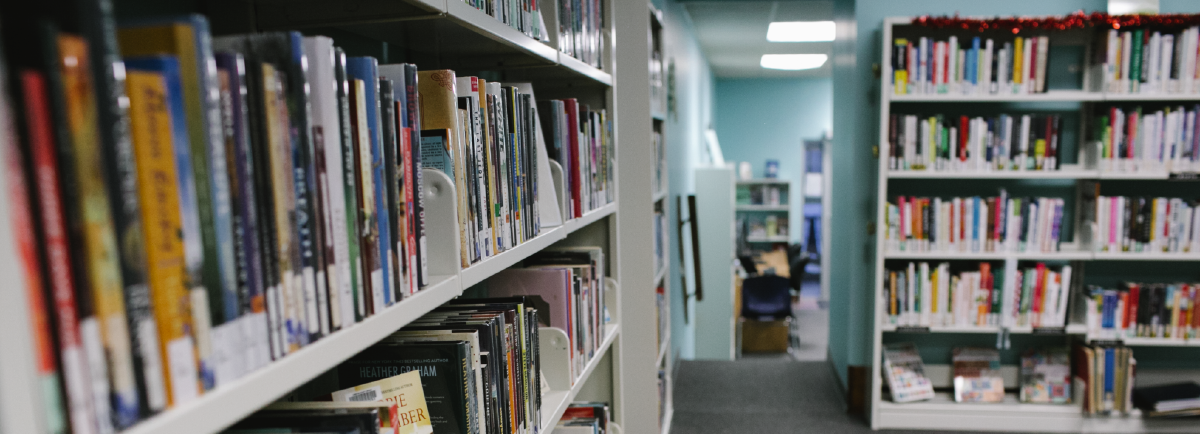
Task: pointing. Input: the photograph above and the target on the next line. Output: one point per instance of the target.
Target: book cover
(290, 296)
(350, 183)
(158, 185)
(905, 373)
(39, 135)
(392, 179)
(403, 391)
(372, 273)
(93, 226)
(25, 245)
(414, 158)
(443, 367)
(439, 111)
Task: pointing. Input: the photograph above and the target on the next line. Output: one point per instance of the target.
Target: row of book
(769, 194)
(1044, 375)
(975, 224)
(1148, 60)
(581, 30)
(202, 206)
(525, 16)
(976, 66)
(1143, 310)
(1107, 374)
(924, 296)
(581, 141)
(570, 283)
(585, 418)
(974, 144)
(1163, 140)
(1147, 224)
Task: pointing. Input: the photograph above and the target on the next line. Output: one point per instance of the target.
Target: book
(360, 72)
(905, 373)
(159, 188)
(1045, 376)
(977, 375)
(444, 368)
(404, 391)
(439, 112)
(1168, 399)
(92, 228)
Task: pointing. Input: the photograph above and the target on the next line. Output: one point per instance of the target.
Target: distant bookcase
(763, 211)
(662, 218)
(1078, 97)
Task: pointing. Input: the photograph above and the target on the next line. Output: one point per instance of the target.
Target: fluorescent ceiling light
(801, 31)
(793, 62)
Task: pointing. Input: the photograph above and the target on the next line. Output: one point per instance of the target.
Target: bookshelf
(1081, 172)
(660, 181)
(434, 34)
(759, 203)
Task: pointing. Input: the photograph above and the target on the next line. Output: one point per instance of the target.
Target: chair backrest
(766, 297)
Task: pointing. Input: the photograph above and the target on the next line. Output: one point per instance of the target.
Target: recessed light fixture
(801, 31)
(793, 62)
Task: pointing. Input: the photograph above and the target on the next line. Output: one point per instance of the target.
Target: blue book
(1109, 377)
(193, 248)
(974, 59)
(367, 70)
(1108, 316)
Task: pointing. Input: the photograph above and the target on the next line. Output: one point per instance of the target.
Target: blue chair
(767, 310)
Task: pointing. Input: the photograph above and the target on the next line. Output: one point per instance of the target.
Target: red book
(40, 136)
(1039, 291)
(1131, 307)
(964, 126)
(410, 217)
(572, 107)
(900, 233)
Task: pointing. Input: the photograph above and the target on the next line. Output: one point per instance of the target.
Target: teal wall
(695, 91)
(855, 127)
(760, 119)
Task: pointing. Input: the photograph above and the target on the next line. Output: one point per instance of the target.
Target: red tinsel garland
(1077, 20)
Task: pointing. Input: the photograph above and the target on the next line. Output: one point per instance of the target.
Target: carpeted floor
(760, 396)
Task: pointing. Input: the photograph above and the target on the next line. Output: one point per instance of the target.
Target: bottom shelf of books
(1090, 387)
(556, 401)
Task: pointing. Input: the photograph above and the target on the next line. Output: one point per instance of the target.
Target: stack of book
(1147, 224)
(975, 224)
(581, 140)
(581, 30)
(570, 281)
(974, 66)
(1148, 60)
(905, 373)
(197, 207)
(1046, 376)
(1137, 140)
(919, 295)
(1106, 374)
(1168, 400)
(1144, 310)
(974, 144)
(977, 375)
(585, 418)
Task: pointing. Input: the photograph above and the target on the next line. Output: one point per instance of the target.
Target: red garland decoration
(1076, 20)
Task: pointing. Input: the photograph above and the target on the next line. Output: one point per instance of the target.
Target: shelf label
(912, 329)
(1049, 330)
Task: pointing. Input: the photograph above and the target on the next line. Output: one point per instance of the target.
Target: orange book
(162, 227)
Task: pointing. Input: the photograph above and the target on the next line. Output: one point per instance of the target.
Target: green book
(1135, 61)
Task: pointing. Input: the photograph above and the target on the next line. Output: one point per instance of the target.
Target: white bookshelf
(660, 200)
(759, 212)
(942, 413)
(461, 33)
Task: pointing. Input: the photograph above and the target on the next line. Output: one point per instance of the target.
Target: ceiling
(733, 35)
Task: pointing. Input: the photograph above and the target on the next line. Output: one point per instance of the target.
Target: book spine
(158, 187)
(414, 164)
(354, 266)
(277, 169)
(390, 145)
(39, 135)
(95, 229)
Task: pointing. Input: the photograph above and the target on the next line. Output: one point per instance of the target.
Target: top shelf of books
(462, 34)
(1091, 64)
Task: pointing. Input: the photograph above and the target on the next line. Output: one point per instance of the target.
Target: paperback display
(1135, 139)
(1147, 225)
(969, 66)
(1046, 376)
(581, 141)
(944, 143)
(977, 375)
(923, 295)
(1143, 310)
(905, 373)
(975, 224)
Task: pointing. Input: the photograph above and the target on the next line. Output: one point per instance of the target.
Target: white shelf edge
(228, 404)
(489, 26)
(662, 351)
(1145, 256)
(754, 181)
(763, 207)
(776, 239)
(558, 400)
(666, 425)
(590, 217)
(660, 196)
(1150, 342)
(1051, 96)
(996, 256)
(484, 269)
(996, 174)
(582, 68)
(660, 275)
(1072, 329)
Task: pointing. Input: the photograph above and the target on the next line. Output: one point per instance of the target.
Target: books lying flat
(1169, 399)
(905, 373)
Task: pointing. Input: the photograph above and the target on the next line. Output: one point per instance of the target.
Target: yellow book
(405, 391)
(162, 227)
(99, 243)
(1018, 71)
(279, 152)
(439, 111)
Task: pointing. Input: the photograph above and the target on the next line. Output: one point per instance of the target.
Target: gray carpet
(760, 396)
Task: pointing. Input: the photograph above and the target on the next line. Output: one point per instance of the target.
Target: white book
(1027, 57)
(1002, 69)
(1194, 230)
(502, 147)
(327, 130)
(468, 87)
(926, 308)
(950, 81)
(981, 226)
(1152, 64)
(1101, 235)
(1119, 215)
(985, 68)
(943, 293)
(954, 163)
(955, 220)
(911, 299)
(1023, 143)
(922, 66)
(940, 66)
(1187, 229)
(910, 141)
(1043, 52)
(1111, 60)
(960, 81)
